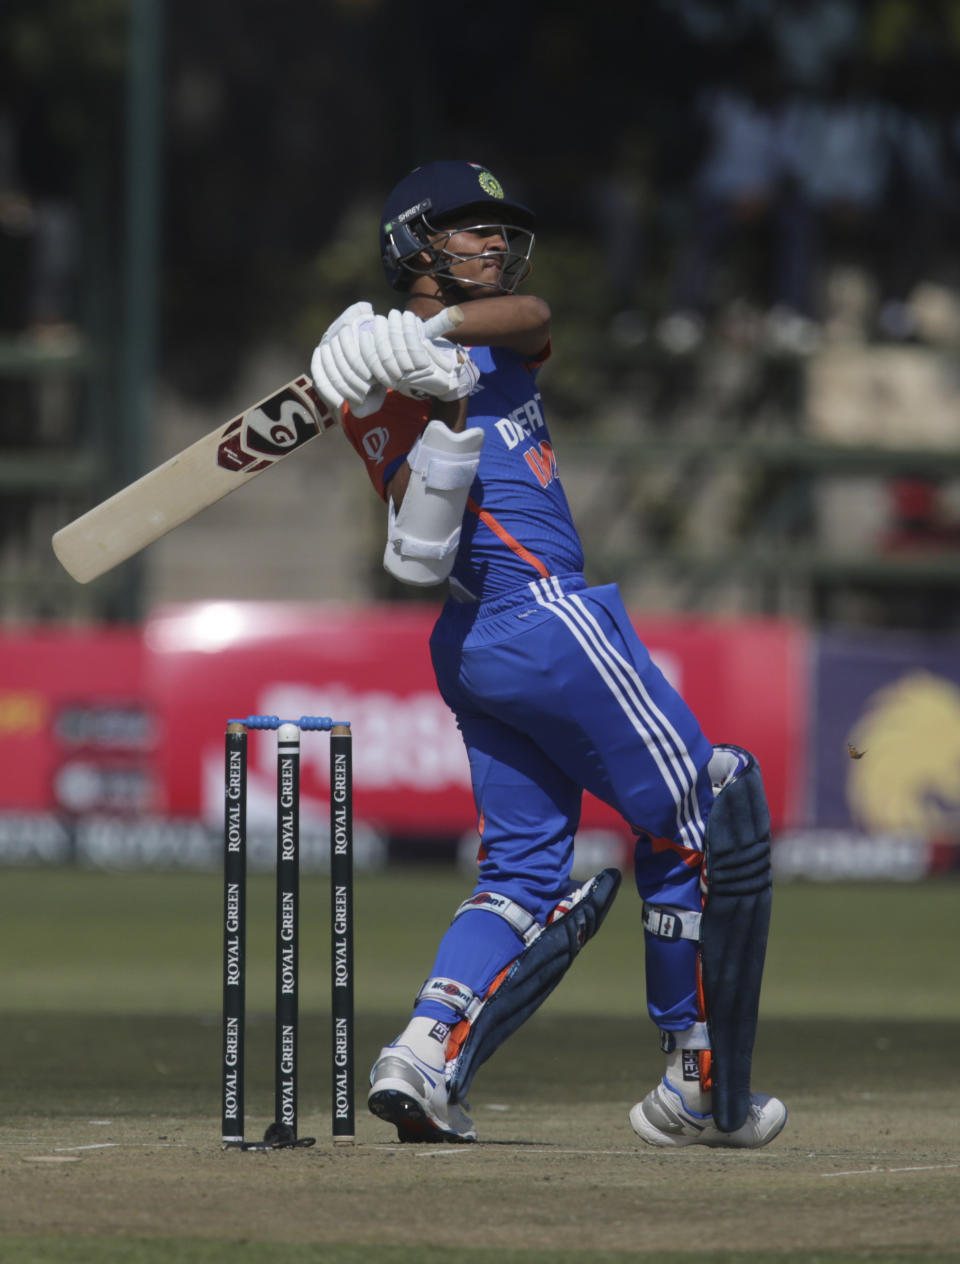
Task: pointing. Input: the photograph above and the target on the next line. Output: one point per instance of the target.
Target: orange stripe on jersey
(540, 358)
(690, 856)
(503, 534)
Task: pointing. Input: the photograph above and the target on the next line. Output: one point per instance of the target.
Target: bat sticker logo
(274, 428)
(276, 431)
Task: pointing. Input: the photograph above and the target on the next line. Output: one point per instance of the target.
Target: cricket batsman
(552, 690)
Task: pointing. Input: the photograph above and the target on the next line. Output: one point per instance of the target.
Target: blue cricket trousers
(554, 693)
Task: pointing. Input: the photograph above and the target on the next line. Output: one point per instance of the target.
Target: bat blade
(202, 474)
(191, 481)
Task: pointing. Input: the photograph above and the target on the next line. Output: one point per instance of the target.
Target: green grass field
(109, 1004)
(91, 942)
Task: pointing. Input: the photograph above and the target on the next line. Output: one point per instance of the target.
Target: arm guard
(423, 536)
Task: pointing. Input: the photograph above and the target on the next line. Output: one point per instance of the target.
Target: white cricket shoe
(407, 1092)
(663, 1119)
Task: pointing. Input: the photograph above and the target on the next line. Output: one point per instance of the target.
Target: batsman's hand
(339, 373)
(398, 352)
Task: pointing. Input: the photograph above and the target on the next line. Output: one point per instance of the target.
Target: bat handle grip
(444, 322)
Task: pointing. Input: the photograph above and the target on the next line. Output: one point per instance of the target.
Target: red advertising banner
(102, 727)
(76, 732)
(209, 662)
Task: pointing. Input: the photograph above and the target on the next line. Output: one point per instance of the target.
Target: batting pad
(531, 978)
(733, 929)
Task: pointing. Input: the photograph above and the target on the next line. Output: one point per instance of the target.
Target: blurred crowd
(702, 171)
(709, 144)
(40, 236)
(787, 134)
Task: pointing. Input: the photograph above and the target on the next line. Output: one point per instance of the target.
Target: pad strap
(517, 918)
(671, 923)
(442, 471)
(457, 995)
(449, 992)
(422, 550)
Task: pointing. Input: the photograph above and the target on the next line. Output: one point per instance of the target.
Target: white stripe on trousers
(664, 743)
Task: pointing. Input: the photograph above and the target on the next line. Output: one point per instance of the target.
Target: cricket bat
(202, 474)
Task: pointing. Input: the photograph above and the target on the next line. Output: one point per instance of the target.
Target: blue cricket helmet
(433, 193)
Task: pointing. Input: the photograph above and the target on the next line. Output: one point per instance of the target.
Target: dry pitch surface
(108, 1114)
(857, 1170)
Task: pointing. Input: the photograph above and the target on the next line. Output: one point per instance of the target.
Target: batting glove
(400, 355)
(338, 371)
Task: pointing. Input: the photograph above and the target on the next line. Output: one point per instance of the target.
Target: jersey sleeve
(533, 364)
(384, 438)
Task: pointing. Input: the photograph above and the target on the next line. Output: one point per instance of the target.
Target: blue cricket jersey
(518, 525)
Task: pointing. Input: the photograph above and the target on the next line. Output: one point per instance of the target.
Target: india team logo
(490, 185)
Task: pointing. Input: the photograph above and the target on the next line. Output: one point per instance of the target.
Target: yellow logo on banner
(909, 781)
(22, 712)
(490, 185)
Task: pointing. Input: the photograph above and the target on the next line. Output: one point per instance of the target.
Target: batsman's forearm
(518, 321)
(453, 413)
(396, 489)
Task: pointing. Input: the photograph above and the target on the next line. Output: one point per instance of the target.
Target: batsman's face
(477, 252)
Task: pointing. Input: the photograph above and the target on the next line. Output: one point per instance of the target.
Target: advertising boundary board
(110, 739)
(745, 680)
